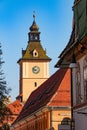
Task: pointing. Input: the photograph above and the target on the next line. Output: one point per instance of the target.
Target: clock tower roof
(34, 50)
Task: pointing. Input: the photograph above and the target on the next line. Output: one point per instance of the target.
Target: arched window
(35, 53)
(66, 121)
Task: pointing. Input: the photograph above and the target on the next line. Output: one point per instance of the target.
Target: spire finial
(34, 15)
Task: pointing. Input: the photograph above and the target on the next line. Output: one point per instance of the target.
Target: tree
(4, 92)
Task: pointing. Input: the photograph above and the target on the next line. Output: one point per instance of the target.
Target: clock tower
(34, 64)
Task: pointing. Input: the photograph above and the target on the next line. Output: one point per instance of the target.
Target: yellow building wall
(27, 70)
(57, 116)
(29, 86)
(30, 81)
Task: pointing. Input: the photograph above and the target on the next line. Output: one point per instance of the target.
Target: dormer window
(35, 53)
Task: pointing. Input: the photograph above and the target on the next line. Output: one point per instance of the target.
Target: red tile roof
(53, 92)
(14, 110)
(62, 95)
(15, 107)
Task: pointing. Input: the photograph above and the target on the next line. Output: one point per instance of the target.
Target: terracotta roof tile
(15, 107)
(62, 96)
(53, 92)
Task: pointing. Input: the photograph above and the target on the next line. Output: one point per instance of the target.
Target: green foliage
(5, 127)
(4, 91)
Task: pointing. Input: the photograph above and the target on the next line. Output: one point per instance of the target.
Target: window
(66, 121)
(35, 53)
(35, 84)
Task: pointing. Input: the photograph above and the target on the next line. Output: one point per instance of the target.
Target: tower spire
(34, 15)
(34, 34)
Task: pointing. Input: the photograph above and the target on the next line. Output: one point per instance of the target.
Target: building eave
(79, 48)
(32, 115)
(33, 59)
(59, 107)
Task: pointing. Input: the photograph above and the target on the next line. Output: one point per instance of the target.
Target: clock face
(35, 69)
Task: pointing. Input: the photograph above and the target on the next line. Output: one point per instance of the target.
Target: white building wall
(82, 81)
(74, 86)
(81, 64)
(80, 119)
(80, 112)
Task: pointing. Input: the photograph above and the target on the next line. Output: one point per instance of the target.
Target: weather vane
(34, 15)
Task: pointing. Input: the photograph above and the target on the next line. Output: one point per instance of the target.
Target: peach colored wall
(29, 86)
(28, 78)
(27, 70)
(58, 116)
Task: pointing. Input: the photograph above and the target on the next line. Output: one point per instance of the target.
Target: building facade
(77, 46)
(48, 98)
(48, 107)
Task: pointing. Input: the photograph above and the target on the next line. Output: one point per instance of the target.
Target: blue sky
(54, 18)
